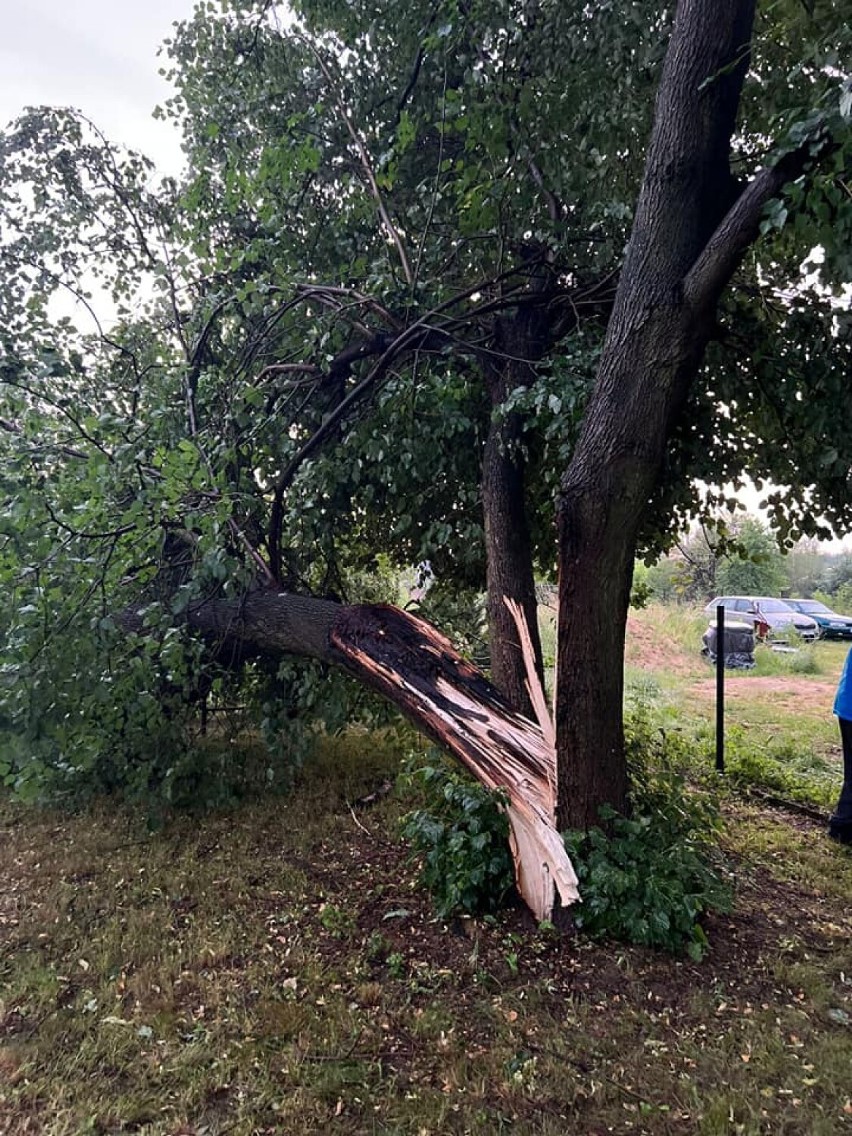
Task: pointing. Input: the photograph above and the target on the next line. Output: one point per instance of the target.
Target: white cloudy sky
(99, 56)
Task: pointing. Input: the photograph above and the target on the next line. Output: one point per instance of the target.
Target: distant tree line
(742, 557)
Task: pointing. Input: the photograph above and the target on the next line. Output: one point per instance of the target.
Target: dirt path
(790, 693)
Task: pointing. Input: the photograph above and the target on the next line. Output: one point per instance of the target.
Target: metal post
(720, 689)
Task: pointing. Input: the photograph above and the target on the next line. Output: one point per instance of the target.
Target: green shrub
(805, 661)
(462, 835)
(650, 876)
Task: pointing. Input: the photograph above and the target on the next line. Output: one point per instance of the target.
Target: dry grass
(277, 969)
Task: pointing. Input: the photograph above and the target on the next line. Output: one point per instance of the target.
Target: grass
(780, 730)
(276, 969)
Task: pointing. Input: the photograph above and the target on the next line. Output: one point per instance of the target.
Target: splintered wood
(423, 674)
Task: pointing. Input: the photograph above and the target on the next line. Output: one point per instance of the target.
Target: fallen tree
(417, 668)
(295, 426)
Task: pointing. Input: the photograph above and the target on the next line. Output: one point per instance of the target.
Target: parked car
(774, 613)
(831, 625)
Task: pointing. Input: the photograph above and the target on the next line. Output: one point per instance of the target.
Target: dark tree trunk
(523, 340)
(603, 495)
(509, 567)
(692, 226)
(651, 355)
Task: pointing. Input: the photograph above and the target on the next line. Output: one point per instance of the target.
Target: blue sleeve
(843, 698)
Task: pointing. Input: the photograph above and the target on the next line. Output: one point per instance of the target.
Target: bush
(650, 876)
(805, 662)
(647, 879)
(462, 834)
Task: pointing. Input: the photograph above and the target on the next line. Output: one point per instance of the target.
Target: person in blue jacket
(840, 824)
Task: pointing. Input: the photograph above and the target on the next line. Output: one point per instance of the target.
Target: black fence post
(720, 688)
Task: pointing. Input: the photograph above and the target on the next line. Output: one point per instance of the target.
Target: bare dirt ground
(789, 693)
(647, 649)
(806, 694)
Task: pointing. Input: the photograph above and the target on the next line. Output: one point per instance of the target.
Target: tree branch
(387, 352)
(740, 226)
(364, 157)
(416, 668)
(82, 534)
(67, 451)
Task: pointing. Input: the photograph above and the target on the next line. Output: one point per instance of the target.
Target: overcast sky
(99, 56)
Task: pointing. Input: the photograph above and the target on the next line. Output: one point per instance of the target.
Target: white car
(777, 614)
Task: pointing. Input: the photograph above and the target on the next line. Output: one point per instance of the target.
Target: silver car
(778, 615)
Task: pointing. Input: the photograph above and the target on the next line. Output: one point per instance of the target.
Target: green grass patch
(794, 772)
(780, 734)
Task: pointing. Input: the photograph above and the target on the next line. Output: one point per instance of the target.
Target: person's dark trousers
(840, 825)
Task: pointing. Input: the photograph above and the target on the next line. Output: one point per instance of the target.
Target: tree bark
(523, 340)
(652, 352)
(603, 495)
(509, 567)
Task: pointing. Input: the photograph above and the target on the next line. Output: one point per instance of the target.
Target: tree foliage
(737, 556)
(389, 265)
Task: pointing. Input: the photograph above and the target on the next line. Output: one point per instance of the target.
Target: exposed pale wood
(420, 671)
(539, 851)
(533, 682)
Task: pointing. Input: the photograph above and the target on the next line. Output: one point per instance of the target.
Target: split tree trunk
(418, 670)
(690, 230)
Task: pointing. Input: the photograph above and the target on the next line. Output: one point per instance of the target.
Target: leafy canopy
(294, 379)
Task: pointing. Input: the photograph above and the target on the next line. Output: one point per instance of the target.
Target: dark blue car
(831, 625)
